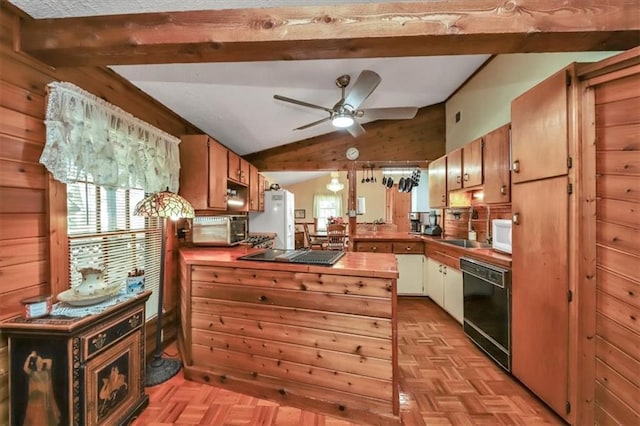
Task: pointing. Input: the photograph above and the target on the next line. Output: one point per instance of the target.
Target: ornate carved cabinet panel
(78, 371)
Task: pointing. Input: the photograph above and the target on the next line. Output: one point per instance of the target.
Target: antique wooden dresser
(78, 371)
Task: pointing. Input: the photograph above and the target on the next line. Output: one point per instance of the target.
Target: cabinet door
(254, 188)
(454, 170)
(472, 164)
(453, 293)
(410, 273)
(245, 171)
(540, 282)
(194, 169)
(497, 176)
(435, 283)
(438, 183)
(261, 188)
(234, 166)
(539, 130)
(217, 175)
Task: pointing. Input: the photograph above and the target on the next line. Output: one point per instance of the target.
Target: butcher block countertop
(378, 265)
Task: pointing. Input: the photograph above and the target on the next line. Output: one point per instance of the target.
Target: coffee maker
(432, 228)
(415, 223)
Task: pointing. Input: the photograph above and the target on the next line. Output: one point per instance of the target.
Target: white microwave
(501, 234)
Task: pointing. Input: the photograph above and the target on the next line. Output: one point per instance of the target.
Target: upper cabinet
(238, 170)
(497, 176)
(472, 163)
(254, 189)
(438, 183)
(539, 140)
(203, 172)
(464, 166)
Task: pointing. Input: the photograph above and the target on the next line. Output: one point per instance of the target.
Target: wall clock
(353, 153)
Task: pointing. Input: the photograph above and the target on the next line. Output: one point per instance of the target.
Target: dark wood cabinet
(203, 172)
(497, 176)
(78, 371)
(254, 189)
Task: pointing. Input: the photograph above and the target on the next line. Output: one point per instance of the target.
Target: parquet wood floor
(444, 380)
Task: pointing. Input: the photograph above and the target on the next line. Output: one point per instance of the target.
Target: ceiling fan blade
(355, 129)
(306, 126)
(363, 87)
(397, 113)
(302, 103)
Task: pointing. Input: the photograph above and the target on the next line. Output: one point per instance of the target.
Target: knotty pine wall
(27, 225)
(617, 374)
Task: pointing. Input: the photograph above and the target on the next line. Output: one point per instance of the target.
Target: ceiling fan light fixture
(342, 119)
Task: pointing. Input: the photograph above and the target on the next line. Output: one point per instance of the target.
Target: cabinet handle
(516, 166)
(458, 179)
(407, 248)
(516, 219)
(503, 189)
(466, 177)
(439, 268)
(374, 248)
(444, 269)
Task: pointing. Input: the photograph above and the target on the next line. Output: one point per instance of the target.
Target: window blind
(103, 233)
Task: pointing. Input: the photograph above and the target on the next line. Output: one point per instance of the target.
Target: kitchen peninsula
(315, 337)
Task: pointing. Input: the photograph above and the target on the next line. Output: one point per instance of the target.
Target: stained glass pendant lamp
(163, 205)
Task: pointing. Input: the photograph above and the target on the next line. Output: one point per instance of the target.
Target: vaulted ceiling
(219, 68)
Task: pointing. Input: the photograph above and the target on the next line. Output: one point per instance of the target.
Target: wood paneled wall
(617, 118)
(33, 207)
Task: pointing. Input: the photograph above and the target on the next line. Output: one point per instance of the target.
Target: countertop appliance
(415, 222)
(432, 227)
(311, 257)
(487, 308)
(277, 218)
(219, 230)
(501, 235)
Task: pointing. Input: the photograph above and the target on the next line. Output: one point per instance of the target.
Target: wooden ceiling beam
(425, 28)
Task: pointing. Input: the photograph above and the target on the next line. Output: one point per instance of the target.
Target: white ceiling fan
(345, 111)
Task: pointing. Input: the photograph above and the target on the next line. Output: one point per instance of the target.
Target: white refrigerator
(277, 218)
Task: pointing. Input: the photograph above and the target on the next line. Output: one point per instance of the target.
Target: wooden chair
(336, 237)
(315, 243)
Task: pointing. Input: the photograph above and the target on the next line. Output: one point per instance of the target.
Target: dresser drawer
(413, 247)
(374, 247)
(102, 338)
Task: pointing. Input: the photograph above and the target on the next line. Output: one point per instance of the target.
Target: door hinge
(568, 79)
(570, 189)
(567, 407)
(570, 296)
(569, 162)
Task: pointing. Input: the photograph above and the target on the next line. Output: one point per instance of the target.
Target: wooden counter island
(320, 338)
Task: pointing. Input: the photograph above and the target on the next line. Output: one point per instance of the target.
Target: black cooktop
(311, 257)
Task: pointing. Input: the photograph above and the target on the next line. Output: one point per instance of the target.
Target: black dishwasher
(487, 308)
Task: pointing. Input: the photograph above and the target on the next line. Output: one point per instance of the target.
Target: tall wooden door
(398, 207)
(540, 285)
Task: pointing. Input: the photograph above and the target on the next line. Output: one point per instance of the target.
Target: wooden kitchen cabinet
(438, 183)
(261, 190)
(90, 369)
(203, 172)
(543, 202)
(539, 130)
(254, 189)
(238, 169)
(464, 166)
(497, 176)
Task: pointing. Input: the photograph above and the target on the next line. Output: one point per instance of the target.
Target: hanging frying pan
(401, 184)
(390, 182)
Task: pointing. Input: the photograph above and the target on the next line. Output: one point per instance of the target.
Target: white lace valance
(89, 136)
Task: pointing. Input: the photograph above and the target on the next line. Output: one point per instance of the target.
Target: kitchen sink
(467, 243)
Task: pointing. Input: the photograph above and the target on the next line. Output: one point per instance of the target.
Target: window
(325, 206)
(103, 233)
